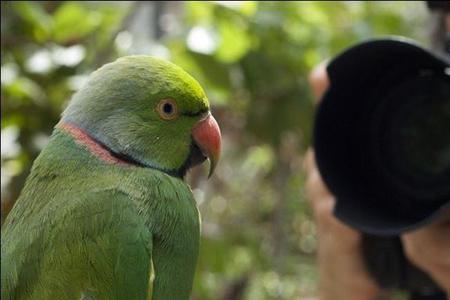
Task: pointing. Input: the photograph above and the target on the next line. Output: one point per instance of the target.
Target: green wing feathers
(89, 245)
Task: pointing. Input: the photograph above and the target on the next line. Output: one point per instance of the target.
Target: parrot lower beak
(206, 134)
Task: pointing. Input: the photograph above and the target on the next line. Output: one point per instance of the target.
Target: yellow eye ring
(167, 109)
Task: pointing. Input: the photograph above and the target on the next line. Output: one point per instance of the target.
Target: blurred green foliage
(253, 60)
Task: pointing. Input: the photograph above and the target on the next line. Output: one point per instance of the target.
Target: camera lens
(413, 132)
(382, 136)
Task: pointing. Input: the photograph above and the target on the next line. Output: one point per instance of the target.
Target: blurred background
(253, 59)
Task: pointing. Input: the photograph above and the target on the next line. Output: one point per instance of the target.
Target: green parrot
(105, 212)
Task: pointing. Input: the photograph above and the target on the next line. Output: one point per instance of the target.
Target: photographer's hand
(429, 248)
(343, 275)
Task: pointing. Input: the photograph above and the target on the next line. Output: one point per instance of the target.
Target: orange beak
(206, 134)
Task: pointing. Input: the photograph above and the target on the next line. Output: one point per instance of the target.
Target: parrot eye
(167, 109)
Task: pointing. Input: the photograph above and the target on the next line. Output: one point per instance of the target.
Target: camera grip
(387, 263)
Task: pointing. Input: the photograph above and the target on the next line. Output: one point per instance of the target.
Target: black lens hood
(341, 141)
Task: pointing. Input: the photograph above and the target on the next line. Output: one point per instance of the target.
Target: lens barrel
(382, 135)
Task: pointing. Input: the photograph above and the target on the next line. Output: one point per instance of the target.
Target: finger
(429, 243)
(428, 249)
(318, 80)
(315, 186)
(309, 162)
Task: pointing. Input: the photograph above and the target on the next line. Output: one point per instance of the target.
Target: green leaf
(235, 41)
(73, 21)
(35, 17)
(201, 12)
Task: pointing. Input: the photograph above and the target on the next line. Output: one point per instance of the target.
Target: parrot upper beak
(206, 134)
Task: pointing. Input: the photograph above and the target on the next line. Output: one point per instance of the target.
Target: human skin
(429, 249)
(343, 274)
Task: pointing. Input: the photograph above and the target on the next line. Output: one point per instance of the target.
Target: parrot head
(149, 112)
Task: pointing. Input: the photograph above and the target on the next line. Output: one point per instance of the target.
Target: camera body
(382, 144)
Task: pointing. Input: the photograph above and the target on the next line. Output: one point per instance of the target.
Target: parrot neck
(94, 147)
(110, 156)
